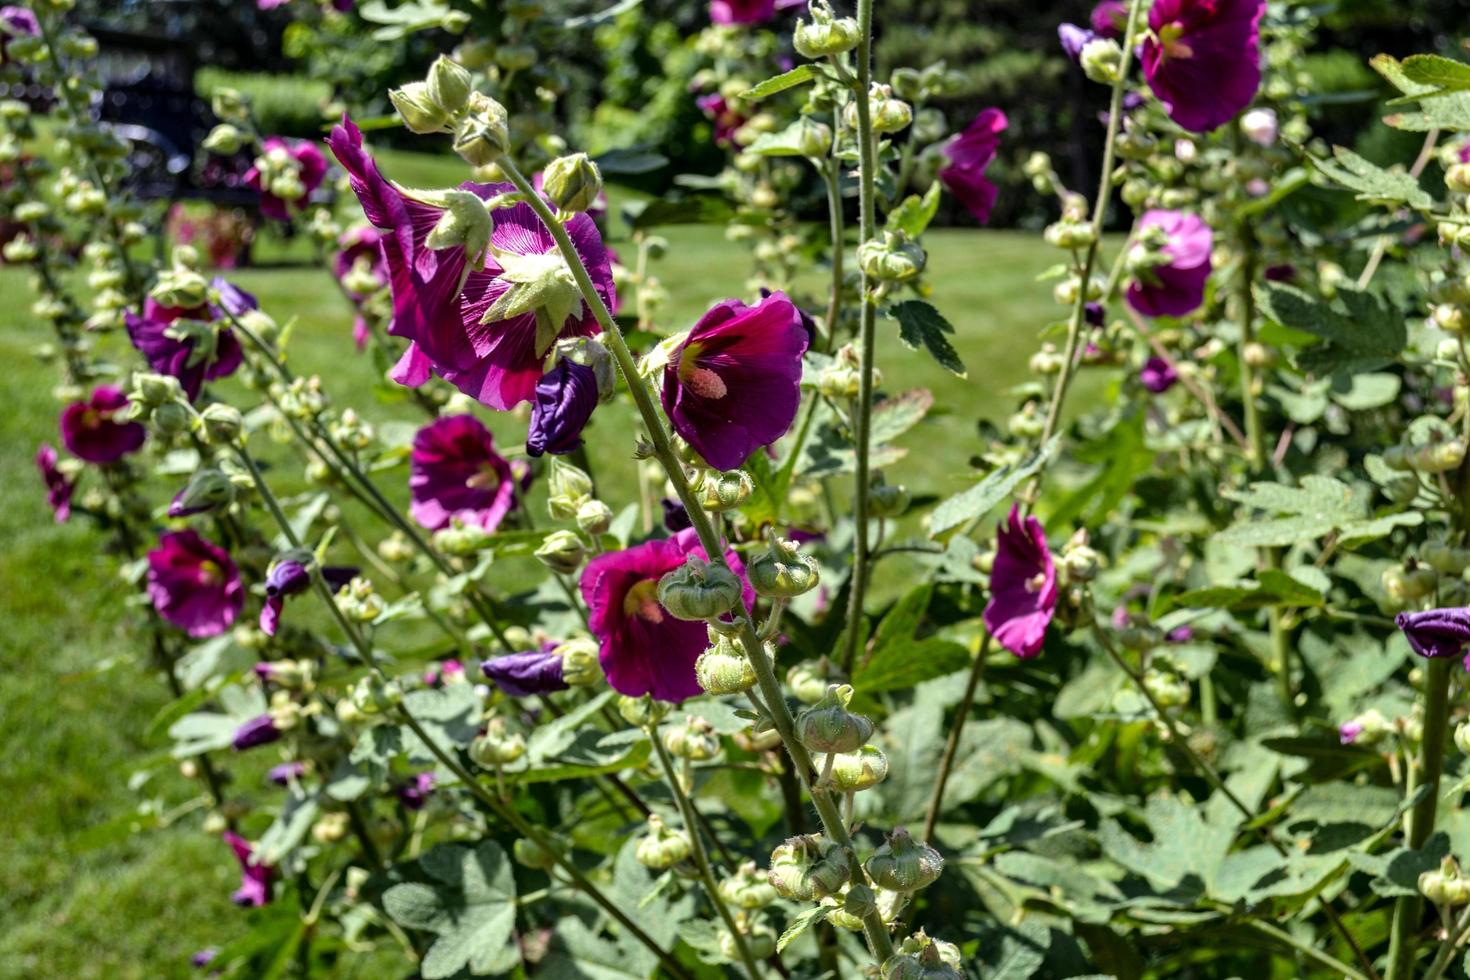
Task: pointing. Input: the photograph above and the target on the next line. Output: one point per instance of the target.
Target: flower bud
(580, 666)
(208, 489)
(813, 139)
(421, 114)
(661, 848)
(747, 888)
(1260, 126)
(721, 491)
(224, 139)
(181, 287)
(1101, 60)
(825, 35)
(1405, 584)
(808, 682)
(331, 827)
(1168, 688)
(893, 258)
(904, 864)
(498, 746)
(562, 552)
(20, 250)
(699, 590)
(229, 105)
(1457, 178)
(853, 772)
(1437, 457)
(723, 668)
(828, 726)
(803, 869)
(594, 517)
(922, 958)
(887, 499)
(573, 182)
(885, 113)
(483, 136)
(782, 572)
(694, 740)
(529, 854)
(222, 424)
(567, 488)
(642, 712)
(448, 86)
(461, 540)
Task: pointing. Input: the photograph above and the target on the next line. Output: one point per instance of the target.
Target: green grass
(76, 696)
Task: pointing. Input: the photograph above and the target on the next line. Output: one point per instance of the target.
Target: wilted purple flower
(290, 577)
(58, 487)
(676, 518)
(414, 793)
(565, 398)
(1158, 375)
(749, 11)
(734, 384)
(644, 649)
(1202, 58)
(168, 349)
(194, 584)
(311, 167)
(1436, 632)
(15, 22)
(455, 472)
(969, 154)
(1094, 314)
(286, 773)
(255, 879)
(523, 674)
(363, 242)
(1109, 18)
(91, 430)
(1348, 732)
(1178, 286)
(1074, 39)
(1023, 586)
(260, 730)
(439, 301)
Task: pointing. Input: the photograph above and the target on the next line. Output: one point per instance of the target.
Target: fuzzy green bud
(813, 139)
(853, 772)
(572, 182)
(529, 854)
(222, 424)
(594, 517)
(825, 35)
(721, 491)
(828, 726)
(782, 572)
(885, 113)
(922, 958)
(568, 488)
(1102, 60)
(642, 712)
(448, 85)
(803, 869)
(181, 287)
(887, 499)
(562, 552)
(808, 682)
(723, 668)
(483, 135)
(694, 740)
(207, 489)
(497, 746)
(225, 139)
(417, 108)
(903, 864)
(661, 848)
(580, 666)
(892, 258)
(747, 888)
(699, 590)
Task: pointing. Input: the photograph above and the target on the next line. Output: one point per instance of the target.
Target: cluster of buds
(806, 869)
(662, 847)
(570, 498)
(694, 740)
(1437, 456)
(497, 746)
(825, 35)
(446, 102)
(842, 378)
(359, 601)
(921, 958)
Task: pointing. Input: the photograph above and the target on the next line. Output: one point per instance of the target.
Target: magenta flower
(1202, 58)
(415, 793)
(726, 120)
(1178, 286)
(194, 584)
(358, 244)
(1109, 18)
(1023, 586)
(16, 22)
(439, 300)
(523, 674)
(565, 399)
(748, 11)
(734, 384)
(1348, 732)
(58, 488)
(260, 730)
(455, 473)
(644, 649)
(310, 165)
(255, 879)
(448, 672)
(1436, 632)
(969, 154)
(193, 355)
(286, 773)
(91, 430)
(1158, 375)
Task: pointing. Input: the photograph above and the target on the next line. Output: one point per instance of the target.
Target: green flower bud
(694, 740)
(580, 666)
(461, 540)
(825, 36)
(222, 424)
(529, 854)
(225, 139)
(1406, 584)
(887, 499)
(661, 848)
(181, 287)
(803, 869)
(207, 489)
(20, 250)
(1457, 178)
(759, 940)
(642, 712)
(1462, 737)
(497, 746)
(853, 772)
(747, 888)
(567, 481)
(907, 83)
(172, 418)
(1102, 60)
(828, 726)
(421, 114)
(922, 958)
(720, 491)
(1167, 687)
(1433, 885)
(808, 682)
(904, 864)
(1438, 457)
(782, 572)
(893, 258)
(448, 86)
(229, 105)
(572, 182)
(813, 139)
(1445, 558)
(699, 590)
(562, 551)
(885, 113)
(859, 901)
(372, 695)
(724, 668)
(483, 135)
(594, 517)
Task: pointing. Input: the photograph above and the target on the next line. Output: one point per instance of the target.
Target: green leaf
(1366, 335)
(796, 76)
(1436, 72)
(894, 416)
(1372, 182)
(1187, 847)
(1272, 588)
(800, 924)
(977, 501)
(786, 143)
(289, 828)
(469, 903)
(900, 666)
(1018, 953)
(921, 325)
(1320, 506)
(914, 213)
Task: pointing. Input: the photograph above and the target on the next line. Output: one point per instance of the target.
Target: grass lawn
(74, 696)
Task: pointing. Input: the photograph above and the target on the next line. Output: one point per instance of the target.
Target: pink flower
(1348, 732)
(1202, 58)
(1023, 586)
(91, 430)
(1109, 18)
(310, 167)
(969, 154)
(255, 879)
(178, 342)
(749, 11)
(720, 112)
(194, 584)
(1178, 286)
(363, 243)
(1158, 375)
(644, 649)
(455, 472)
(58, 487)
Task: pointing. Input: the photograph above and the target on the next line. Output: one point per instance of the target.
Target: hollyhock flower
(455, 473)
(292, 577)
(194, 584)
(643, 649)
(439, 300)
(1202, 58)
(1436, 632)
(16, 22)
(204, 957)
(1158, 375)
(448, 672)
(1176, 287)
(676, 517)
(414, 793)
(286, 773)
(532, 672)
(170, 348)
(255, 879)
(360, 246)
(91, 430)
(1348, 732)
(726, 119)
(260, 730)
(565, 398)
(749, 11)
(969, 154)
(1109, 18)
(1023, 586)
(58, 487)
(1073, 39)
(299, 165)
(734, 384)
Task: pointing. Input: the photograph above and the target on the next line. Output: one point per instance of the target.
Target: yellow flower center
(642, 601)
(700, 380)
(1169, 40)
(210, 573)
(1036, 583)
(486, 479)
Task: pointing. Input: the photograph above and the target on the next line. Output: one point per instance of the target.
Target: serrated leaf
(1437, 72)
(894, 416)
(1372, 182)
(914, 213)
(1367, 334)
(921, 325)
(1320, 506)
(470, 904)
(800, 924)
(1273, 587)
(983, 496)
(799, 75)
(1187, 847)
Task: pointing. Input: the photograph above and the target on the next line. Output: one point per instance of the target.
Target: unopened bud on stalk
(699, 590)
(892, 258)
(661, 848)
(747, 888)
(417, 108)
(721, 491)
(826, 35)
(225, 139)
(922, 958)
(853, 772)
(887, 500)
(804, 869)
(448, 85)
(1102, 60)
(572, 182)
(782, 571)
(642, 712)
(828, 726)
(1457, 178)
(808, 682)
(723, 668)
(903, 864)
(562, 552)
(694, 740)
(580, 666)
(497, 746)
(222, 424)
(483, 135)
(594, 517)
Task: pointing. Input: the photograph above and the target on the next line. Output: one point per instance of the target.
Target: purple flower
(439, 300)
(58, 487)
(310, 166)
(1094, 314)
(255, 879)
(523, 674)
(361, 333)
(722, 114)
(455, 472)
(92, 431)
(748, 11)
(1178, 286)
(565, 398)
(447, 672)
(676, 518)
(1158, 375)
(15, 22)
(1436, 632)
(1179, 634)
(644, 649)
(414, 793)
(1348, 732)
(286, 773)
(1202, 58)
(1074, 39)
(260, 730)
(194, 584)
(362, 242)
(1283, 272)
(969, 154)
(290, 577)
(1023, 586)
(204, 957)
(734, 384)
(1109, 18)
(169, 349)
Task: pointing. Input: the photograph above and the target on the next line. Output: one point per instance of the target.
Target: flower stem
(1448, 946)
(1332, 963)
(952, 743)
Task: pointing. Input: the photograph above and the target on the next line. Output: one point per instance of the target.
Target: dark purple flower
(363, 243)
(91, 430)
(255, 879)
(204, 957)
(169, 349)
(310, 165)
(749, 11)
(565, 398)
(1109, 18)
(194, 584)
(1074, 39)
(1436, 632)
(1202, 58)
(286, 773)
(15, 22)
(414, 793)
(722, 114)
(969, 154)
(290, 577)
(455, 472)
(1177, 287)
(1023, 586)
(1158, 375)
(1094, 314)
(676, 518)
(1284, 272)
(260, 730)
(523, 674)
(644, 649)
(58, 487)
(734, 384)
(439, 301)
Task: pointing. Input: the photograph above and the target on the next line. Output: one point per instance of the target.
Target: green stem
(1448, 946)
(1408, 909)
(1305, 949)
(952, 743)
